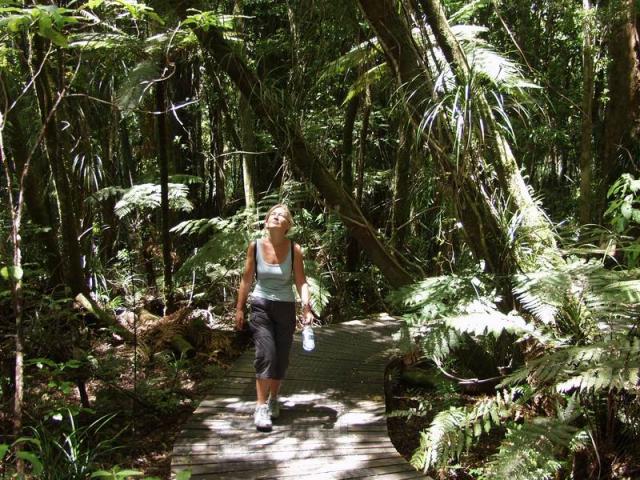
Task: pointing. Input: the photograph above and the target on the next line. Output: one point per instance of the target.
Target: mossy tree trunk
(470, 186)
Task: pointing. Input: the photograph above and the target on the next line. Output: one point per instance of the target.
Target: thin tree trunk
(351, 113)
(401, 205)
(586, 149)
(38, 204)
(164, 191)
(346, 164)
(128, 163)
(247, 126)
(16, 291)
(217, 163)
(287, 134)
(362, 151)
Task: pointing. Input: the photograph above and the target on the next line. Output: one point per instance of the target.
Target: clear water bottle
(308, 341)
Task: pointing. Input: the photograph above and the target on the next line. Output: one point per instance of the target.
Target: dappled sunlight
(332, 416)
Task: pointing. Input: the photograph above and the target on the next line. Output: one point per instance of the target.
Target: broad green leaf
(129, 473)
(3, 450)
(93, 4)
(11, 273)
(101, 473)
(183, 475)
(35, 462)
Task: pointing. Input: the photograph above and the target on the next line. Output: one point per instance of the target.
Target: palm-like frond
(137, 83)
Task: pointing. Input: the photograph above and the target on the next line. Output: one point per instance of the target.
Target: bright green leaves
(205, 20)
(48, 21)
(13, 273)
(625, 203)
(133, 9)
(146, 197)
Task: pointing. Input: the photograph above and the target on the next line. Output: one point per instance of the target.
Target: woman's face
(278, 219)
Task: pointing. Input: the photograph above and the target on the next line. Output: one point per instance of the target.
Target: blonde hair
(287, 214)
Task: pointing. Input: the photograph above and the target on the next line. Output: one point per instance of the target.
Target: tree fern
(146, 197)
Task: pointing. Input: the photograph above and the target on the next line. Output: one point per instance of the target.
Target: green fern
(146, 197)
(530, 451)
(455, 430)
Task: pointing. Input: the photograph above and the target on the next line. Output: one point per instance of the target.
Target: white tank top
(275, 281)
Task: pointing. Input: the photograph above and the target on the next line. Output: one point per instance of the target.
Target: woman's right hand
(240, 322)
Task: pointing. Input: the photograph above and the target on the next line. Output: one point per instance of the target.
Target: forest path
(332, 424)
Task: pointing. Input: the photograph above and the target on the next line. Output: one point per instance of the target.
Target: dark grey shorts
(272, 325)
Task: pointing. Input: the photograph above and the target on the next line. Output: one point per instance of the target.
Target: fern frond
(201, 226)
(136, 84)
(453, 431)
(186, 179)
(147, 197)
(528, 451)
(493, 323)
(217, 258)
(603, 366)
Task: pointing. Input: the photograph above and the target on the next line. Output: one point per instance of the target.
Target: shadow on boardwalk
(332, 424)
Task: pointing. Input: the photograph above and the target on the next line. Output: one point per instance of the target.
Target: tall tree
(401, 203)
(622, 117)
(72, 253)
(163, 161)
(247, 127)
(288, 135)
(475, 208)
(586, 142)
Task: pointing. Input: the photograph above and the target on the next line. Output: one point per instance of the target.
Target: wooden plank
(332, 424)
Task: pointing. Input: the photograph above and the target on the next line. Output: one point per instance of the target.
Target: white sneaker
(262, 419)
(274, 407)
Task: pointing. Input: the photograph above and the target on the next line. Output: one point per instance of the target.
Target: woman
(273, 309)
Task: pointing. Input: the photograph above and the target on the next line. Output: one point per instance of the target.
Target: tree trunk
(353, 252)
(128, 163)
(288, 136)
(217, 162)
(346, 164)
(362, 151)
(621, 117)
(37, 202)
(537, 227)
(16, 290)
(163, 160)
(401, 204)
(351, 113)
(588, 75)
(247, 126)
(405, 61)
(72, 253)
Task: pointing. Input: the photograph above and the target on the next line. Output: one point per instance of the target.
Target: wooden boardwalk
(332, 424)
